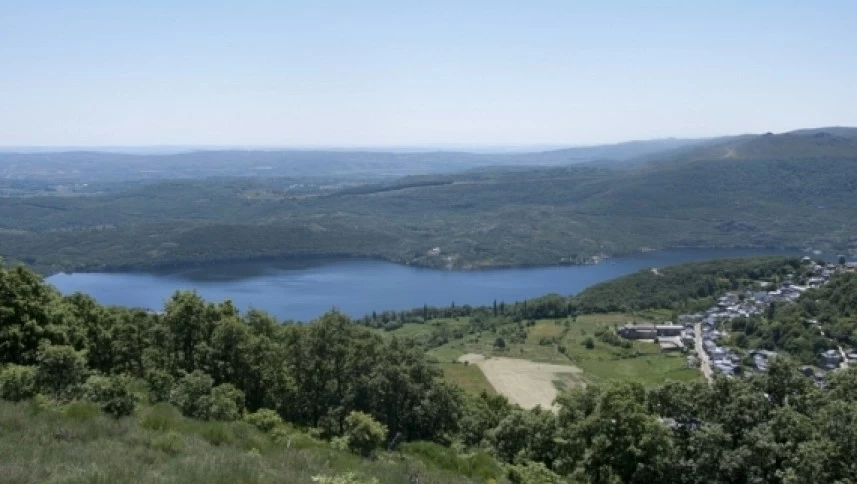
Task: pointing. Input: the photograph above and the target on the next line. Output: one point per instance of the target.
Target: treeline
(686, 287)
(682, 285)
(549, 306)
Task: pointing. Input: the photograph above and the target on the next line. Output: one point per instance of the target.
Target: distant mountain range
(792, 190)
(104, 166)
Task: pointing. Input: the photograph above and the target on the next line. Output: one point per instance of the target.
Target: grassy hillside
(76, 443)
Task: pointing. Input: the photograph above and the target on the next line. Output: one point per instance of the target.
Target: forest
(202, 377)
(778, 191)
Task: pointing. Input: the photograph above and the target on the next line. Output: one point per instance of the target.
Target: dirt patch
(527, 383)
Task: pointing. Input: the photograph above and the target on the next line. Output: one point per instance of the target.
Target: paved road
(704, 363)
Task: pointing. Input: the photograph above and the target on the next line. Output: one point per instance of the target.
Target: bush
(112, 394)
(589, 343)
(216, 433)
(192, 395)
(18, 383)
(532, 473)
(170, 443)
(225, 403)
(162, 416)
(160, 385)
(349, 478)
(479, 464)
(364, 433)
(81, 411)
(60, 371)
(264, 419)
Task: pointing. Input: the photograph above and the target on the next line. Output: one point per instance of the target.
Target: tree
(160, 385)
(500, 343)
(842, 260)
(28, 316)
(131, 337)
(192, 394)
(60, 371)
(92, 327)
(364, 433)
(189, 321)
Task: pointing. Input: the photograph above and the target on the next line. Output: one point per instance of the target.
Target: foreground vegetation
(202, 393)
(78, 443)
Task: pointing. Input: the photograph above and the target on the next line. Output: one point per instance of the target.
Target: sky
(400, 73)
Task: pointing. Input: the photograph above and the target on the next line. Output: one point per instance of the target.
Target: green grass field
(469, 377)
(643, 362)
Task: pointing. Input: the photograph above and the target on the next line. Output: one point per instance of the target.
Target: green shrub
(192, 394)
(264, 419)
(532, 473)
(225, 403)
(18, 383)
(160, 384)
(349, 478)
(169, 443)
(217, 433)
(82, 411)
(478, 465)
(112, 394)
(161, 416)
(60, 371)
(364, 433)
(340, 443)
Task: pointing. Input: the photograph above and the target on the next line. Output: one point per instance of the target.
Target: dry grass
(527, 383)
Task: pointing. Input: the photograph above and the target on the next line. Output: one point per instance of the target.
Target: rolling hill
(790, 190)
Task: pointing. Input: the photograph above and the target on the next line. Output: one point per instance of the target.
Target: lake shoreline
(303, 290)
(310, 259)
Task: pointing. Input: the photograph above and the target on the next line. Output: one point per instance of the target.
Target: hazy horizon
(382, 75)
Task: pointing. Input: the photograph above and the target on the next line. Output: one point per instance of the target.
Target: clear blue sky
(364, 73)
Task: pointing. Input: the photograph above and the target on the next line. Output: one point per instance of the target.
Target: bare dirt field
(525, 382)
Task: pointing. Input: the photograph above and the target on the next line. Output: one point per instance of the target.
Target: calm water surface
(357, 287)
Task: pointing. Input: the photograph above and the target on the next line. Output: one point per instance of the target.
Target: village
(701, 335)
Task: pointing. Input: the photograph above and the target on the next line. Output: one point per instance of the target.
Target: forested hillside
(791, 190)
(281, 401)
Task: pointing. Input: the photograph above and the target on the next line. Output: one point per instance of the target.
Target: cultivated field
(525, 382)
(643, 362)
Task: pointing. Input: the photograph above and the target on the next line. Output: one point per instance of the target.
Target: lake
(357, 287)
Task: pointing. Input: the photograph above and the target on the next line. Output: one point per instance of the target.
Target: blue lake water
(357, 287)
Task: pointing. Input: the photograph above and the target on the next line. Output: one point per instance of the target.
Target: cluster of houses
(721, 358)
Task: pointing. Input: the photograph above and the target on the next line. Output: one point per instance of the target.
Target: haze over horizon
(382, 74)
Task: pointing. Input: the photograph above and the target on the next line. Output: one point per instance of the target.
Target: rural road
(704, 363)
